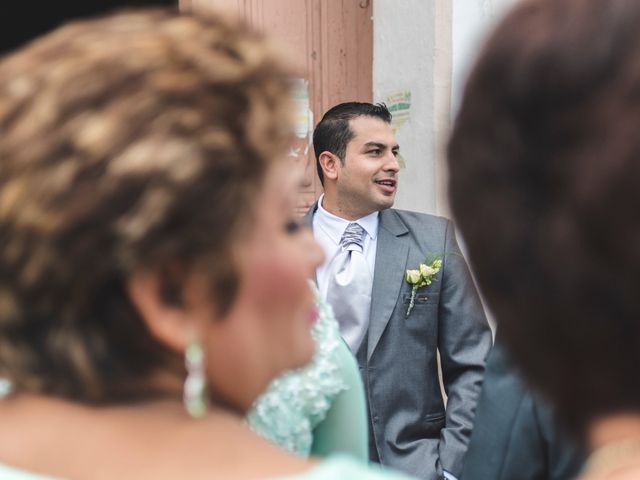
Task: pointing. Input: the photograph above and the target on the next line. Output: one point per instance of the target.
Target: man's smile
(387, 184)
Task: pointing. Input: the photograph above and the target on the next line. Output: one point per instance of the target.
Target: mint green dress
(319, 409)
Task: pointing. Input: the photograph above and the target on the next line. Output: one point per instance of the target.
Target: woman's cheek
(279, 277)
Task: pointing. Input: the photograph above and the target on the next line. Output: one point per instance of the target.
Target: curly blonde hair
(132, 141)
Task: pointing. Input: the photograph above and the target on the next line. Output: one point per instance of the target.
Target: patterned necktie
(349, 288)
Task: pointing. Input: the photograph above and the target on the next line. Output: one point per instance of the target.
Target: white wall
(403, 46)
(472, 21)
(426, 47)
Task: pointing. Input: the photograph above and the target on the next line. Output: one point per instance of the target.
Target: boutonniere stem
(421, 277)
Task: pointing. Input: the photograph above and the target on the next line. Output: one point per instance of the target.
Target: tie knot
(353, 236)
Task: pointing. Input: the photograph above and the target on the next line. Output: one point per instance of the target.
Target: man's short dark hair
(333, 133)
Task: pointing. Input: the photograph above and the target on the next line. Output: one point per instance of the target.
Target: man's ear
(168, 323)
(330, 164)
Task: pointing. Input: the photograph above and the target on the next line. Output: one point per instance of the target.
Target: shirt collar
(334, 226)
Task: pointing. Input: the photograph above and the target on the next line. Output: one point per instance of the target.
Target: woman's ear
(168, 322)
(330, 164)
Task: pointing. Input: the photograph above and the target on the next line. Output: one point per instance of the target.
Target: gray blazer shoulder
(426, 231)
(422, 220)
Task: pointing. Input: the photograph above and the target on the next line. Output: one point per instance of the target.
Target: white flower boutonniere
(421, 277)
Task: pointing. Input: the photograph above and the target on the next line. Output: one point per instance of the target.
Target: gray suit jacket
(515, 436)
(411, 429)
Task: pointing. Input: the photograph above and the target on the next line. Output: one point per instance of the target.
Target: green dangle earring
(195, 385)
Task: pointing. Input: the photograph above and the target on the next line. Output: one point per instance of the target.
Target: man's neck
(335, 207)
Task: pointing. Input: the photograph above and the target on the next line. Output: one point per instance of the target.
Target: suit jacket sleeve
(464, 339)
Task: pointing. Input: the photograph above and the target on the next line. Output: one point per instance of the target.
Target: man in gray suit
(397, 339)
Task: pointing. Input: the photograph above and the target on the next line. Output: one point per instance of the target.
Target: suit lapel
(391, 259)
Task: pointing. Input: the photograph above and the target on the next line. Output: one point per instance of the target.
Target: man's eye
(377, 151)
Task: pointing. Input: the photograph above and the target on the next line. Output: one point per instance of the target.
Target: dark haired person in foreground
(545, 167)
(153, 278)
(401, 292)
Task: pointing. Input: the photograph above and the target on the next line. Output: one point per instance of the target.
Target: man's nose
(392, 164)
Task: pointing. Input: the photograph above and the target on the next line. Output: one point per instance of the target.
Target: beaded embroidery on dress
(297, 401)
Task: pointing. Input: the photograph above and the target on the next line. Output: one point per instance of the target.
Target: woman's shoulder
(334, 467)
(344, 466)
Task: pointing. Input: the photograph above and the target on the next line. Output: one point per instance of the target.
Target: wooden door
(331, 43)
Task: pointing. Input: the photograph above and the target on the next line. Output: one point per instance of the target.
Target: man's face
(367, 181)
